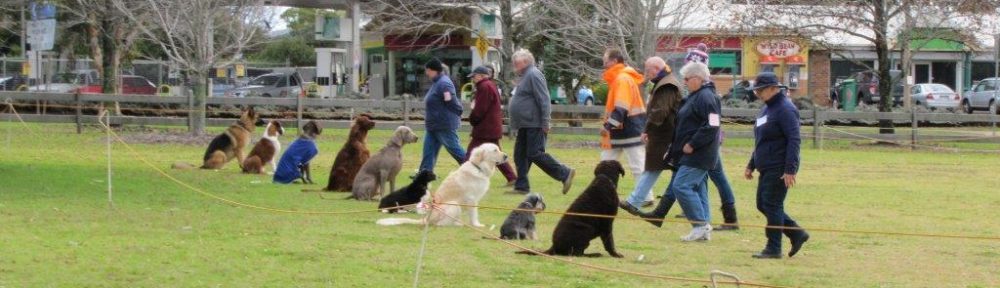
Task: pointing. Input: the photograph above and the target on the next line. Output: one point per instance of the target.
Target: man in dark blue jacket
(776, 156)
(695, 149)
(442, 116)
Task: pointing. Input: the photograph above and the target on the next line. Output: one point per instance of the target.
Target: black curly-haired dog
(574, 232)
(410, 194)
(520, 224)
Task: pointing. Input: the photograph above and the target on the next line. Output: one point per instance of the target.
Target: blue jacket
(698, 124)
(440, 114)
(776, 137)
(299, 153)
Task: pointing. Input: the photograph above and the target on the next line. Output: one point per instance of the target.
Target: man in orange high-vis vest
(625, 113)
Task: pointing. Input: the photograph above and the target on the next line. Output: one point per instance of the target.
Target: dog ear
(477, 155)
(397, 137)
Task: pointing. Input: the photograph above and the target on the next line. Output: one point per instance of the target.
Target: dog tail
(398, 221)
(252, 164)
(182, 166)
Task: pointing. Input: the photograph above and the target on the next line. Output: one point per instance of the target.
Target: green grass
(57, 229)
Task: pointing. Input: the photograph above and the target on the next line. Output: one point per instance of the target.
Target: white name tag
(713, 120)
(761, 121)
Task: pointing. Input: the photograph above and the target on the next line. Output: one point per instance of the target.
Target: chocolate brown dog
(573, 234)
(350, 158)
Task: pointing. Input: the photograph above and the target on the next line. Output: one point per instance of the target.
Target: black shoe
(629, 208)
(656, 220)
(647, 204)
(729, 215)
(767, 255)
(569, 181)
(518, 192)
(727, 227)
(797, 244)
(680, 216)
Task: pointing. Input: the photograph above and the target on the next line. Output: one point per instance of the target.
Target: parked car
(585, 96)
(67, 82)
(270, 85)
(131, 85)
(867, 88)
(741, 91)
(11, 83)
(935, 96)
(983, 96)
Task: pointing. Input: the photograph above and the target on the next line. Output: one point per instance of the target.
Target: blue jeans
(643, 187)
(691, 188)
(718, 177)
(771, 192)
(529, 148)
(433, 140)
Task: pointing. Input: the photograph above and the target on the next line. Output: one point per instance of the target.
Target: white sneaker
(703, 233)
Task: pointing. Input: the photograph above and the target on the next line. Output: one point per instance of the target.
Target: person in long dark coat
(664, 100)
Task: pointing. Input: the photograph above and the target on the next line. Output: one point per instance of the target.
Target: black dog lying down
(520, 224)
(410, 194)
(574, 233)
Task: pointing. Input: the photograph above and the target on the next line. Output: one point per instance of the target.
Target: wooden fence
(336, 113)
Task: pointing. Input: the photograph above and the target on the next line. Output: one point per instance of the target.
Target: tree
(574, 34)
(437, 21)
(110, 33)
(198, 35)
(834, 20)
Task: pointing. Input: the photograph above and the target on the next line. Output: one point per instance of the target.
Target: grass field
(57, 229)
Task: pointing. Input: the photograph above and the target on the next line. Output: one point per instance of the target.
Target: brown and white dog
(230, 144)
(350, 158)
(264, 151)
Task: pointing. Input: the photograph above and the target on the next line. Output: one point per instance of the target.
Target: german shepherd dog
(230, 144)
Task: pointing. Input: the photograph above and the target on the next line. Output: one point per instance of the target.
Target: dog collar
(480, 169)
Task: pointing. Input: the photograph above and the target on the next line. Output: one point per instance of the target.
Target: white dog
(465, 186)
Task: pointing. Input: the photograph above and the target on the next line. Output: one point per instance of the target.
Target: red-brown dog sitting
(350, 158)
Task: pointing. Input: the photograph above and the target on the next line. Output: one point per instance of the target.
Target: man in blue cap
(776, 156)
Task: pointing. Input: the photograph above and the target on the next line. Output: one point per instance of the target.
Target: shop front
(787, 58)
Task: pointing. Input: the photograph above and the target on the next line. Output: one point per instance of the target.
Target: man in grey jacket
(530, 116)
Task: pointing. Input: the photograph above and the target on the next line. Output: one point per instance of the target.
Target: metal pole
(996, 75)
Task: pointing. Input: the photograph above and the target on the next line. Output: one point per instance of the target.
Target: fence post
(913, 131)
(298, 112)
(79, 113)
(817, 123)
(406, 110)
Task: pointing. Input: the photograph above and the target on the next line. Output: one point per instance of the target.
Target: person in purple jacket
(776, 156)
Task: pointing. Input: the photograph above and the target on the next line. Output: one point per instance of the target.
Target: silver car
(270, 85)
(935, 96)
(983, 96)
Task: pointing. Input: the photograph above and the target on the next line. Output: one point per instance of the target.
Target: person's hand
(748, 174)
(688, 149)
(604, 132)
(789, 180)
(546, 130)
(644, 138)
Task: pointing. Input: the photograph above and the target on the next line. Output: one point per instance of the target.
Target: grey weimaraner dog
(382, 167)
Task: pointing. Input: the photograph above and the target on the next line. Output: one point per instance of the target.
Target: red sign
(778, 48)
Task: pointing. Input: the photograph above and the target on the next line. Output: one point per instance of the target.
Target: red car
(131, 85)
